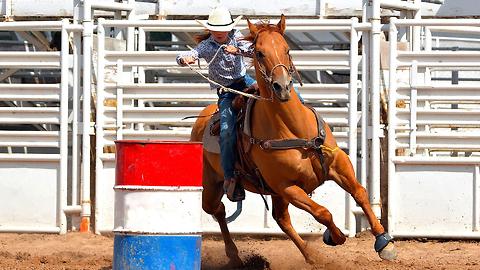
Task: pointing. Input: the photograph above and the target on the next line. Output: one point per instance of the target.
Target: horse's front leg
(297, 196)
(212, 204)
(341, 171)
(282, 217)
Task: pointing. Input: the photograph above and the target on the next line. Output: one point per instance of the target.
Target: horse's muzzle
(282, 91)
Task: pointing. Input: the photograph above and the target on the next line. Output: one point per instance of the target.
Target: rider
(219, 47)
(222, 47)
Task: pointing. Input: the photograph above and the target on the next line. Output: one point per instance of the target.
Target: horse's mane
(263, 26)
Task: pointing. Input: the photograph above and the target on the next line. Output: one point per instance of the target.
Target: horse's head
(272, 58)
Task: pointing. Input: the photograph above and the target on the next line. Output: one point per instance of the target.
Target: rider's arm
(192, 55)
(187, 57)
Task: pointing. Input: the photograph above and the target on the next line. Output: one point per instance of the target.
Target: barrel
(157, 219)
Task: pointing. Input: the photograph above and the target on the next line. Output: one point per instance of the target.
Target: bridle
(268, 78)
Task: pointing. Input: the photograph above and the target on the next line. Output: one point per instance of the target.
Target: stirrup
(234, 190)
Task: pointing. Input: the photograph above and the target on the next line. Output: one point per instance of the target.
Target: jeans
(249, 80)
(228, 134)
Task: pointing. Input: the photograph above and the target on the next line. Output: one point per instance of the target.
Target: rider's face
(220, 37)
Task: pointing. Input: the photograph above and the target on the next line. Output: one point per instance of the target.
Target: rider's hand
(232, 49)
(188, 60)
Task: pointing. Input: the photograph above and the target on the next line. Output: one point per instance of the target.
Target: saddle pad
(211, 143)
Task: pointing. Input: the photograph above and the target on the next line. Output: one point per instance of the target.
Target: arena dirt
(88, 251)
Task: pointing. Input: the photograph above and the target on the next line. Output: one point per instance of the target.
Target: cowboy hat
(220, 20)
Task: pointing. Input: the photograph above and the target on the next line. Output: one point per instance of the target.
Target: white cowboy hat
(220, 20)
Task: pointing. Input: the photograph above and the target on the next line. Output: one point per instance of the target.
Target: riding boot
(234, 189)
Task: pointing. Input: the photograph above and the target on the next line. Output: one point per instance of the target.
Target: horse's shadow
(251, 262)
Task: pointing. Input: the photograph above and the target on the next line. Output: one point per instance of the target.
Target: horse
(291, 173)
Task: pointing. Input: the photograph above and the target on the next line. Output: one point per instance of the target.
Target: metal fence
(434, 127)
(37, 192)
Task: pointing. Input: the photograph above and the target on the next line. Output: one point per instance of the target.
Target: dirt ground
(89, 251)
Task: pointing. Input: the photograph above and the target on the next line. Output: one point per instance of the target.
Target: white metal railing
(419, 112)
(29, 139)
(26, 92)
(439, 59)
(30, 59)
(433, 138)
(48, 188)
(303, 60)
(196, 92)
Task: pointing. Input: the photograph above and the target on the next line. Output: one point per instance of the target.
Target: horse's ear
(253, 28)
(281, 24)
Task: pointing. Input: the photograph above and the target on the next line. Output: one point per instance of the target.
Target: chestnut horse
(291, 173)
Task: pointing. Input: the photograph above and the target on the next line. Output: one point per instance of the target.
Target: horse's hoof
(381, 241)
(327, 238)
(388, 253)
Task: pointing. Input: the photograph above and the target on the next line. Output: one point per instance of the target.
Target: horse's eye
(259, 54)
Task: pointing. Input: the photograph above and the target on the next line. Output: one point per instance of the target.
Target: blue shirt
(225, 68)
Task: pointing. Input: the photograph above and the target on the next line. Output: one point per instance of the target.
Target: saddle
(239, 104)
(245, 170)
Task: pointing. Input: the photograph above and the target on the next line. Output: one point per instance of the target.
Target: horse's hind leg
(212, 204)
(342, 172)
(297, 196)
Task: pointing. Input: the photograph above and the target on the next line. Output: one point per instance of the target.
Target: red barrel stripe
(158, 163)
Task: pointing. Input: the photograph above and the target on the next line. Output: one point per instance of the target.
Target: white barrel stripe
(157, 211)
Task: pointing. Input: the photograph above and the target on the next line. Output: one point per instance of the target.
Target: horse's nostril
(276, 86)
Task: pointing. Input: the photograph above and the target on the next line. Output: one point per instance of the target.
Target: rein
(224, 88)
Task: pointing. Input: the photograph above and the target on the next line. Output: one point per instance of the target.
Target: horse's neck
(287, 119)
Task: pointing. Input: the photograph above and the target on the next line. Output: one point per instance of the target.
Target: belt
(232, 85)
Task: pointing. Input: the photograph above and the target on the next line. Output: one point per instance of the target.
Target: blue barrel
(157, 252)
